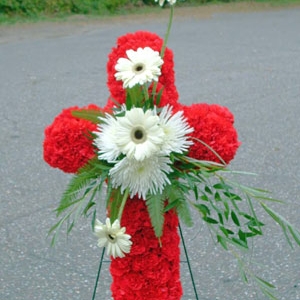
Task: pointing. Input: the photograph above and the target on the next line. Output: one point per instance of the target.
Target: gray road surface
(249, 62)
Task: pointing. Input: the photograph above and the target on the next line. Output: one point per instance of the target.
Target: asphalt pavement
(249, 62)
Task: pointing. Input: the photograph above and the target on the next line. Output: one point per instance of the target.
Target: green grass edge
(134, 10)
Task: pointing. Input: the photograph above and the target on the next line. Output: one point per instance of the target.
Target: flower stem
(145, 88)
(188, 262)
(98, 275)
(163, 48)
(123, 204)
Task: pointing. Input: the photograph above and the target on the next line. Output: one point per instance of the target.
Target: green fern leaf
(73, 193)
(91, 175)
(155, 204)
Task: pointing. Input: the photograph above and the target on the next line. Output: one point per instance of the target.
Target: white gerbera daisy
(161, 2)
(175, 128)
(138, 134)
(141, 177)
(140, 67)
(112, 237)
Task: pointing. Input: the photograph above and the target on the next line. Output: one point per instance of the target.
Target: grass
(103, 13)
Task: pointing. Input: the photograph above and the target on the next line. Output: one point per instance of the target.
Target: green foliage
(36, 7)
(155, 204)
(50, 7)
(226, 206)
(33, 9)
(80, 197)
(175, 198)
(90, 115)
(247, 275)
(114, 5)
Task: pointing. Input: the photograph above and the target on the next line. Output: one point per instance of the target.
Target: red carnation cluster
(213, 125)
(148, 272)
(67, 145)
(141, 39)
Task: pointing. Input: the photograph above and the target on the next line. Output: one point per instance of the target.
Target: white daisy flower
(140, 67)
(113, 237)
(141, 177)
(138, 134)
(161, 2)
(175, 129)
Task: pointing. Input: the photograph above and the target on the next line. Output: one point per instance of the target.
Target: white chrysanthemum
(140, 67)
(175, 128)
(161, 2)
(106, 139)
(141, 177)
(113, 237)
(138, 134)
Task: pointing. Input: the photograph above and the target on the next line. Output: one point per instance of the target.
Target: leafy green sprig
(226, 206)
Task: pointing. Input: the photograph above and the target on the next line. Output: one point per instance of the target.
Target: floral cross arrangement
(156, 160)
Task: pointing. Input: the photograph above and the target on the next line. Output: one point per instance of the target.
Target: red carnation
(122, 266)
(66, 144)
(140, 39)
(152, 272)
(146, 261)
(213, 125)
